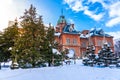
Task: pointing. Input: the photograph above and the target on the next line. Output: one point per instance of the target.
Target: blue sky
(85, 14)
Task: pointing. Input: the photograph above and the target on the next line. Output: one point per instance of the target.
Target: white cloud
(68, 1)
(113, 22)
(76, 5)
(114, 34)
(114, 14)
(71, 20)
(93, 15)
(114, 9)
(4, 7)
(99, 1)
(10, 9)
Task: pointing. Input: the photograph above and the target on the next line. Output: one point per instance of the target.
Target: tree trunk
(0, 65)
(33, 64)
(49, 63)
(53, 60)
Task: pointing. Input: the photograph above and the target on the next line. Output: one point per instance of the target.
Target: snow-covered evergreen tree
(117, 47)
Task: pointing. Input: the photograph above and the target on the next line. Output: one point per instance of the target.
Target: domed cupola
(61, 23)
(61, 19)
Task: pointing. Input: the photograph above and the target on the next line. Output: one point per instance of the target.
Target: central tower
(61, 23)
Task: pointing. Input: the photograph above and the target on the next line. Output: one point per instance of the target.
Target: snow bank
(66, 72)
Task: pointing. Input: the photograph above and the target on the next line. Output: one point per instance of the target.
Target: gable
(70, 29)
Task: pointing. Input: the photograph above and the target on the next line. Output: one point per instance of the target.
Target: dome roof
(61, 20)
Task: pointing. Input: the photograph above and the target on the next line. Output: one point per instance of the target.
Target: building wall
(99, 40)
(59, 27)
(73, 44)
(83, 45)
(65, 40)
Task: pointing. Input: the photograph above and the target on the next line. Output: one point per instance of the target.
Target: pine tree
(50, 39)
(1, 48)
(7, 40)
(117, 48)
(29, 43)
(52, 58)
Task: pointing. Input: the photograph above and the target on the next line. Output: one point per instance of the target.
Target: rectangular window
(110, 44)
(74, 41)
(83, 44)
(99, 42)
(67, 41)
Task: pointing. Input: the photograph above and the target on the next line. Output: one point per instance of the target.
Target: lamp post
(74, 58)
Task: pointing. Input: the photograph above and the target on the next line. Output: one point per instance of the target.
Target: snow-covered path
(67, 72)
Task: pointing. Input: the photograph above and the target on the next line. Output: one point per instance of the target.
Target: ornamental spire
(62, 12)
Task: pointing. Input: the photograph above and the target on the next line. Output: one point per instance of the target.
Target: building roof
(70, 29)
(94, 32)
(85, 32)
(61, 19)
(98, 32)
(84, 36)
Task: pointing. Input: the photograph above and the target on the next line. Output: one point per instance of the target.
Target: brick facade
(71, 39)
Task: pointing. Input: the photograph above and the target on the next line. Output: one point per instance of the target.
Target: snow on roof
(92, 29)
(83, 36)
(95, 29)
(99, 29)
(55, 51)
(70, 29)
(57, 34)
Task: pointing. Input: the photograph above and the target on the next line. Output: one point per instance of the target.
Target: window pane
(74, 41)
(67, 41)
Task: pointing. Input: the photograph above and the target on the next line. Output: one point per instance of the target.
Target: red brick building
(77, 41)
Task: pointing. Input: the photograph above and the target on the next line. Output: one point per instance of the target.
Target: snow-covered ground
(67, 72)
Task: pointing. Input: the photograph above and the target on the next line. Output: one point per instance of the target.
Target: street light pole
(74, 59)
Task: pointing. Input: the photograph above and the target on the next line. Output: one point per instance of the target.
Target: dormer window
(71, 28)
